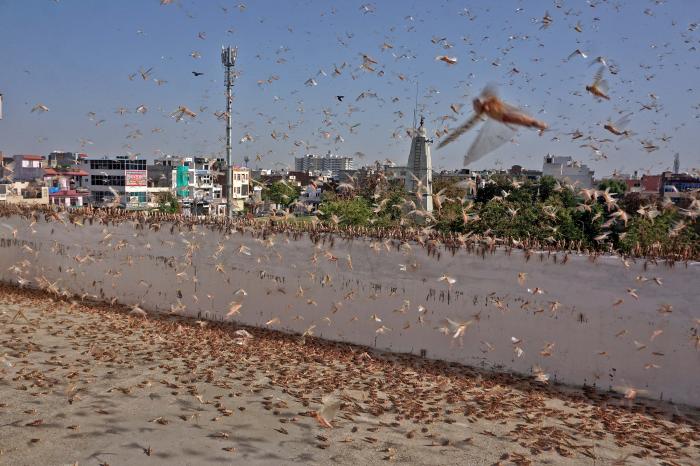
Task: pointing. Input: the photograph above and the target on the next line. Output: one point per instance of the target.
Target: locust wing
(491, 136)
(460, 130)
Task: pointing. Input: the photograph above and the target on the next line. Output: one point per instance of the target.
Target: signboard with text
(136, 178)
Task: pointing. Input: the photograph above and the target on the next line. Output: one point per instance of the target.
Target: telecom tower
(228, 59)
(676, 163)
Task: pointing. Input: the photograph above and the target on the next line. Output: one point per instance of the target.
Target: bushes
(644, 234)
(280, 193)
(615, 186)
(168, 203)
(348, 212)
(544, 211)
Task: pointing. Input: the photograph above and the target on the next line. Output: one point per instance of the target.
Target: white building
(241, 187)
(201, 180)
(123, 175)
(23, 192)
(28, 167)
(203, 192)
(309, 198)
(419, 175)
(327, 163)
(567, 170)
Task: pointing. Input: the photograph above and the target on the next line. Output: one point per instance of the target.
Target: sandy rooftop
(87, 383)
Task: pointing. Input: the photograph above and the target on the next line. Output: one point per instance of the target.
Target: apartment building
(126, 177)
(311, 163)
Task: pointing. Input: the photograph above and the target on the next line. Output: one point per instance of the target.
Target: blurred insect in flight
(501, 120)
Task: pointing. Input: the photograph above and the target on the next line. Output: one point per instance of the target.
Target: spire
(421, 129)
(419, 174)
(415, 109)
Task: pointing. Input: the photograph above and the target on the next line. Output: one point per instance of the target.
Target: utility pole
(228, 59)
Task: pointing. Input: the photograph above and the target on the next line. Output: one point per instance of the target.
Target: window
(99, 196)
(117, 164)
(103, 165)
(107, 180)
(133, 164)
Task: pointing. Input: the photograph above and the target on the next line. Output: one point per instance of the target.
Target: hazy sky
(76, 57)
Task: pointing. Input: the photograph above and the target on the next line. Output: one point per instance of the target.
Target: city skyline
(86, 66)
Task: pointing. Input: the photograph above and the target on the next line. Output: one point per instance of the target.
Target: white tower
(420, 165)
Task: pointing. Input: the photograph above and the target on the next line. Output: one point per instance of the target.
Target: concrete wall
(594, 342)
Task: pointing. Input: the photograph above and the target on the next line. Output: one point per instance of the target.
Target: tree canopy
(280, 193)
(546, 211)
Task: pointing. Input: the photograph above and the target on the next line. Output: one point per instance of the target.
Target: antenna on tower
(415, 109)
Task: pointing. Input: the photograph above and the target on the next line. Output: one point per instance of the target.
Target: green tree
(451, 190)
(615, 186)
(546, 187)
(495, 186)
(356, 211)
(390, 214)
(168, 203)
(450, 219)
(280, 192)
(643, 234)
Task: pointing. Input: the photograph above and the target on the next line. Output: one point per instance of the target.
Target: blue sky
(75, 57)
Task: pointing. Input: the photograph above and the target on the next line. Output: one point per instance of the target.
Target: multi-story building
(329, 162)
(201, 179)
(523, 174)
(679, 187)
(3, 161)
(126, 177)
(309, 199)
(171, 172)
(455, 176)
(201, 195)
(23, 192)
(647, 185)
(565, 169)
(161, 176)
(59, 159)
(65, 186)
(198, 183)
(240, 187)
(28, 167)
(292, 178)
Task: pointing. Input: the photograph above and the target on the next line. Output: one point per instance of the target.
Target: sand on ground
(91, 383)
